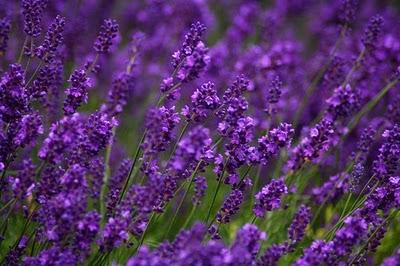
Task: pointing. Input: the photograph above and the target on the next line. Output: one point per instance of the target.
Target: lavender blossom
(32, 11)
(5, 27)
(372, 32)
(160, 123)
(269, 198)
(54, 38)
(300, 221)
(200, 187)
(230, 206)
(107, 33)
(77, 94)
(203, 99)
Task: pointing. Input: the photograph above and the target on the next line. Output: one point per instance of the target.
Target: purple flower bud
(108, 32)
(78, 92)
(269, 198)
(343, 102)
(29, 128)
(203, 99)
(5, 27)
(118, 94)
(372, 32)
(247, 244)
(54, 38)
(230, 206)
(14, 99)
(32, 11)
(200, 187)
(160, 123)
(301, 220)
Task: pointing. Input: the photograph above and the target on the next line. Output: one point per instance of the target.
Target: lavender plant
(192, 132)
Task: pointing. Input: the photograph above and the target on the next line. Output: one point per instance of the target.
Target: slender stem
(189, 218)
(369, 106)
(135, 159)
(182, 200)
(355, 66)
(179, 139)
(216, 192)
(254, 188)
(254, 219)
(22, 50)
(34, 74)
(7, 204)
(106, 176)
(144, 232)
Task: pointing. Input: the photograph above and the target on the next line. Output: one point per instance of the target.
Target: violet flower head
(108, 32)
(233, 105)
(115, 185)
(77, 94)
(320, 252)
(230, 206)
(160, 124)
(190, 150)
(118, 94)
(347, 13)
(14, 257)
(388, 160)
(43, 82)
(270, 144)
(5, 27)
(310, 148)
(32, 11)
(62, 138)
(274, 94)
(269, 198)
(192, 39)
(357, 174)
(372, 32)
(343, 102)
(86, 231)
(54, 38)
(272, 254)
(203, 99)
(247, 244)
(14, 99)
(23, 183)
(353, 231)
(301, 219)
(200, 187)
(332, 188)
(30, 127)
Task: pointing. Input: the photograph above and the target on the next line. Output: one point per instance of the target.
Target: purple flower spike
(77, 94)
(108, 32)
(5, 27)
(54, 38)
(269, 198)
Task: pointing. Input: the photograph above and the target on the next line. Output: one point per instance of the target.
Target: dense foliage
(199, 132)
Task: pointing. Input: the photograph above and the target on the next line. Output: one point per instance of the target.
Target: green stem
(182, 200)
(144, 232)
(216, 192)
(189, 218)
(106, 176)
(135, 159)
